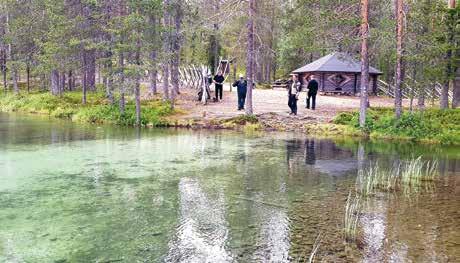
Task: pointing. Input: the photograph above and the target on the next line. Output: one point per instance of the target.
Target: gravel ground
(273, 104)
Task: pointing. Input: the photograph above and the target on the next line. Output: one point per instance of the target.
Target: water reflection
(322, 156)
(203, 230)
(373, 223)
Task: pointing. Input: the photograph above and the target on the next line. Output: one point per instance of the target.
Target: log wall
(341, 83)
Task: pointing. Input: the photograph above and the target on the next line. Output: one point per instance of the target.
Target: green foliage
(441, 126)
(97, 109)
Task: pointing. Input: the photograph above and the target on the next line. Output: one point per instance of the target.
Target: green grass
(96, 110)
(432, 125)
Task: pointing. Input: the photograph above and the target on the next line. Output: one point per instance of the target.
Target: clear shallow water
(74, 193)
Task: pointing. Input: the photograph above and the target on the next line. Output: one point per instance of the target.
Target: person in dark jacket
(242, 89)
(219, 85)
(312, 91)
(294, 87)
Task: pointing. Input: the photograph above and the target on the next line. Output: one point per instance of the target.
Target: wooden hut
(337, 73)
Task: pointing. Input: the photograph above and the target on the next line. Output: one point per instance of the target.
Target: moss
(252, 128)
(242, 119)
(331, 130)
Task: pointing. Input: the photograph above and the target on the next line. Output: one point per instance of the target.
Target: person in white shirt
(294, 87)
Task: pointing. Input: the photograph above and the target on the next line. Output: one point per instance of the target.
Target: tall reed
(315, 248)
(352, 213)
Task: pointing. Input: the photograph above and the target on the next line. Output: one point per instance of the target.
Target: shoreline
(317, 130)
(156, 113)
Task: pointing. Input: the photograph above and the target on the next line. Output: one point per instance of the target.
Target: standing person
(293, 94)
(219, 85)
(312, 91)
(242, 89)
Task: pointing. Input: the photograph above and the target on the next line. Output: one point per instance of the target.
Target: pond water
(77, 193)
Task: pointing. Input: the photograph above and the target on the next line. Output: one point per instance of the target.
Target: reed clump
(353, 210)
(409, 174)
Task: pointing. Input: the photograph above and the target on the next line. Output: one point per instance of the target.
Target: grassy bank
(96, 110)
(432, 125)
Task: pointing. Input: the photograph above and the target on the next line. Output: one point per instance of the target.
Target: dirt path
(272, 105)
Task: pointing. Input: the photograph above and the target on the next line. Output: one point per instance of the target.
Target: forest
(122, 51)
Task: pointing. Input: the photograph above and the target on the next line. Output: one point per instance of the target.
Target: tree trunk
(234, 74)
(153, 71)
(421, 98)
(14, 76)
(399, 58)
(91, 70)
(413, 87)
(456, 95)
(451, 27)
(28, 77)
(215, 39)
(166, 49)
(456, 67)
(62, 80)
(84, 80)
(364, 62)
(44, 82)
(14, 70)
(121, 62)
(153, 75)
(177, 49)
(71, 81)
(55, 82)
(3, 66)
(250, 57)
(84, 87)
(137, 92)
(5, 82)
(109, 78)
(444, 102)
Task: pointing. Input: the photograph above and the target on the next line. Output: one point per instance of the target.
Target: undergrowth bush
(430, 125)
(96, 110)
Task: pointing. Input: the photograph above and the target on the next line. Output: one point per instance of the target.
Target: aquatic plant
(315, 248)
(374, 178)
(406, 176)
(314, 251)
(352, 213)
